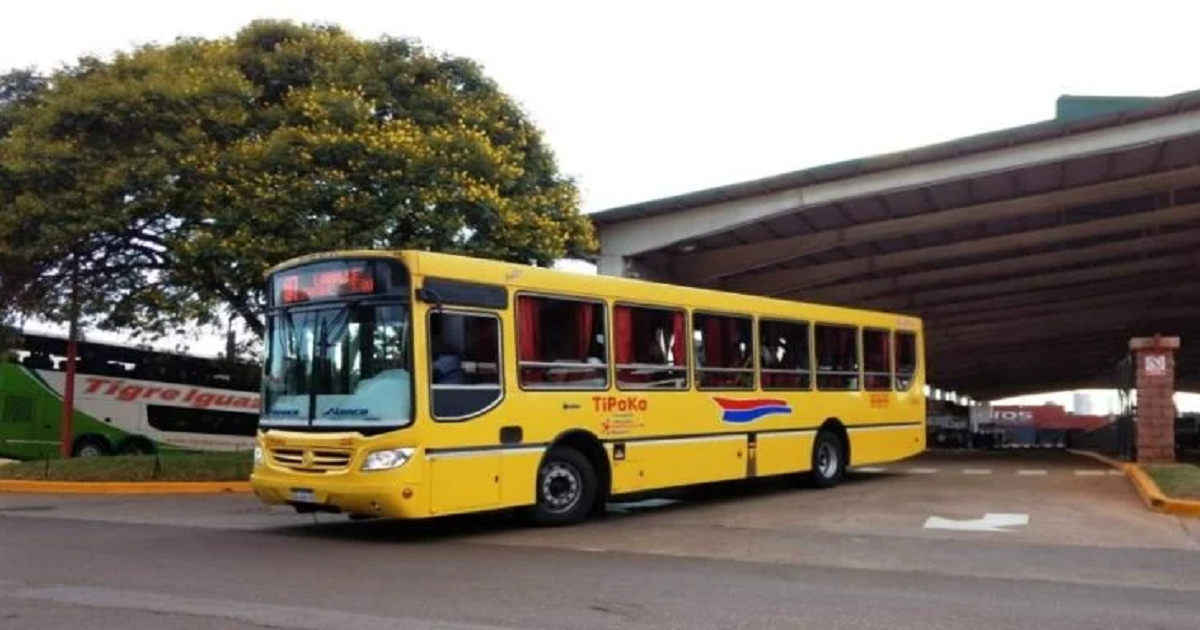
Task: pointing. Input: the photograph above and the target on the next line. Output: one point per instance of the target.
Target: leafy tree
(157, 187)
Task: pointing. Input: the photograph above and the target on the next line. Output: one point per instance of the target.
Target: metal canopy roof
(1033, 254)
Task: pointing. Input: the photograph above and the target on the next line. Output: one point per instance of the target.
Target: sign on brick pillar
(1155, 358)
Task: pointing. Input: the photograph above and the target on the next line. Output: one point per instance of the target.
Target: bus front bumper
(383, 494)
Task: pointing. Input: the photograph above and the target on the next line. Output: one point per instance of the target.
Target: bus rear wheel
(828, 460)
(566, 488)
(90, 446)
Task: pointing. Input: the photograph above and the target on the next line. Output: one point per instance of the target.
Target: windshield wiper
(337, 322)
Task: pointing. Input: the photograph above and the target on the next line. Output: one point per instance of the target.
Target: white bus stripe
(483, 451)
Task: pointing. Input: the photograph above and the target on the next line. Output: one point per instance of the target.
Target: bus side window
(784, 355)
(905, 348)
(877, 358)
(561, 343)
(464, 364)
(202, 421)
(651, 347)
(837, 357)
(724, 352)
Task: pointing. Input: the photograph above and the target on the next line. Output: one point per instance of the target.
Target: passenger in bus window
(447, 366)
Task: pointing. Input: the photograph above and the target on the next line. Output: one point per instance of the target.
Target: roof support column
(1155, 366)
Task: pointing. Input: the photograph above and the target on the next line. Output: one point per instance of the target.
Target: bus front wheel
(566, 488)
(828, 460)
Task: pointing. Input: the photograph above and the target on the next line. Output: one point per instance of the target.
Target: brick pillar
(1155, 357)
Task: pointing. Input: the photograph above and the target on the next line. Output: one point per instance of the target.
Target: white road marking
(1117, 473)
(991, 522)
(869, 469)
(977, 471)
(1031, 473)
(1090, 473)
(922, 471)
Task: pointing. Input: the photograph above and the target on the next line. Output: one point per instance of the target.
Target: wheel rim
(827, 460)
(562, 486)
(90, 450)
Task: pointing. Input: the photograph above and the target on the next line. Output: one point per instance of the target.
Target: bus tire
(136, 446)
(91, 446)
(828, 460)
(566, 488)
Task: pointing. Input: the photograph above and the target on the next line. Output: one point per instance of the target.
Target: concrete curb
(1146, 488)
(1108, 461)
(13, 486)
(1155, 498)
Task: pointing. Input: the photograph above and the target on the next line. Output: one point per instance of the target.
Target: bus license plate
(303, 495)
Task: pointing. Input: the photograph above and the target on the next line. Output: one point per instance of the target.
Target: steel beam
(786, 281)
(701, 267)
(1155, 265)
(1098, 254)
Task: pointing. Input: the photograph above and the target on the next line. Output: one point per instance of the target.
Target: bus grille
(311, 460)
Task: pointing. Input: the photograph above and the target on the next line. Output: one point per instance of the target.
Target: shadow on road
(642, 505)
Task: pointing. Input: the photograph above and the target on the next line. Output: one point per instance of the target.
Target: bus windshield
(345, 365)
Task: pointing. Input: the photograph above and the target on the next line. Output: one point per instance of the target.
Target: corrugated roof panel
(825, 218)
(1180, 153)
(994, 187)
(906, 202)
(1085, 171)
(951, 194)
(866, 210)
(1040, 179)
(1136, 162)
(963, 146)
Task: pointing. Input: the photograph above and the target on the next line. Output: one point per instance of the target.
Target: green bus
(127, 400)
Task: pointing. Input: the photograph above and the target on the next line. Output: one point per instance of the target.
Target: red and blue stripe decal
(740, 411)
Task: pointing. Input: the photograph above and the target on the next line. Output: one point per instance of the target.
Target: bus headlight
(258, 456)
(388, 460)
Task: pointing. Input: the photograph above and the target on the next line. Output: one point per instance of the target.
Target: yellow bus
(415, 384)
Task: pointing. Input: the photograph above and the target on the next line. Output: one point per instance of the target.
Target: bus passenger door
(465, 388)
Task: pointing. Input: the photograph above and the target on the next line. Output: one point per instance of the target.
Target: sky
(641, 100)
(647, 99)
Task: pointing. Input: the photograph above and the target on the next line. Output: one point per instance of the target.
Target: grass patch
(1179, 481)
(161, 467)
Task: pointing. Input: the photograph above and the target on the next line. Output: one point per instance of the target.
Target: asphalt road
(754, 560)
